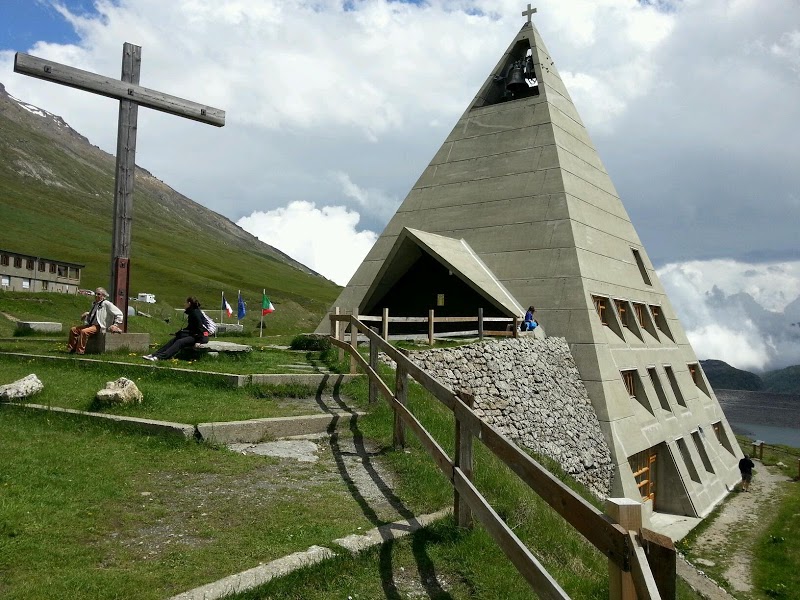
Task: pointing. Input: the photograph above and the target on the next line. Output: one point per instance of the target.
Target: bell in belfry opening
(515, 78)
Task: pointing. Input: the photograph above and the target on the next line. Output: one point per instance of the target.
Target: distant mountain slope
(725, 377)
(783, 381)
(56, 200)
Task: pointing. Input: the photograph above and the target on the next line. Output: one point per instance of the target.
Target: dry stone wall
(530, 390)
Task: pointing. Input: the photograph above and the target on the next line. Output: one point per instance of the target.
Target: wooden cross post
(529, 13)
(130, 95)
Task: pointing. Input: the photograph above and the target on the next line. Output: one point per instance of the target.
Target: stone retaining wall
(531, 391)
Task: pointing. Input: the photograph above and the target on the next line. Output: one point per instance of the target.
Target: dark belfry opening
(515, 80)
(427, 284)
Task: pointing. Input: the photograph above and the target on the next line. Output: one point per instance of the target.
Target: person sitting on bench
(194, 333)
(101, 317)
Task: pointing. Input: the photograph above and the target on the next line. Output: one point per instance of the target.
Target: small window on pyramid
(640, 264)
(601, 306)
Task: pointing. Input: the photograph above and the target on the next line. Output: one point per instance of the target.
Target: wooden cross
(130, 95)
(528, 13)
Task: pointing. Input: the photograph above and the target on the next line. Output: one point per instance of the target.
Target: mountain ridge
(56, 200)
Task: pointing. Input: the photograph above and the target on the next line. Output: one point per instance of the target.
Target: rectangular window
(687, 459)
(62, 271)
(701, 450)
(74, 273)
(622, 309)
(17, 262)
(52, 267)
(629, 379)
(26, 284)
(676, 389)
(42, 266)
(439, 299)
(44, 286)
(640, 263)
(719, 431)
(601, 306)
(4, 260)
(656, 381)
(6, 282)
(29, 264)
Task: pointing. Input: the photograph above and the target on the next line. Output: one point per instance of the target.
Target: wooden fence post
(628, 513)
(336, 331)
(373, 364)
(516, 327)
(354, 341)
(463, 460)
(401, 394)
(430, 327)
(480, 323)
(662, 558)
(385, 325)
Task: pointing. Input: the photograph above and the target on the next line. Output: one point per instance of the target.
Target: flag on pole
(225, 306)
(241, 311)
(266, 306)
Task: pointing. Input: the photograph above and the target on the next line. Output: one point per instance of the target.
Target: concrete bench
(41, 326)
(108, 342)
(215, 346)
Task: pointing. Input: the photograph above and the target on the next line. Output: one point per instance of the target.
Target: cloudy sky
(334, 108)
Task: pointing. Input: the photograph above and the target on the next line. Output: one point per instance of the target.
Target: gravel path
(744, 516)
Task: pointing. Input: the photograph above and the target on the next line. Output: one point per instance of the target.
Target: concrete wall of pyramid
(519, 180)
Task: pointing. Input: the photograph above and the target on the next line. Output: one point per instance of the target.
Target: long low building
(27, 273)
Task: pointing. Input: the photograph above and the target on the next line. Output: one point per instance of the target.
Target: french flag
(226, 307)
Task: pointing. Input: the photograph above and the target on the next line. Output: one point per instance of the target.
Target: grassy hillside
(725, 377)
(783, 381)
(56, 201)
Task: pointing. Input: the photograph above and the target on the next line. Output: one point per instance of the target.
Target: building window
(6, 282)
(26, 284)
(697, 437)
(722, 437)
(4, 260)
(660, 320)
(44, 285)
(629, 379)
(74, 273)
(656, 381)
(42, 266)
(29, 264)
(17, 262)
(676, 389)
(622, 309)
(601, 306)
(62, 271)
(687, 459)
(640, 263)
(52, 267)
(439, 299)
(643, 465)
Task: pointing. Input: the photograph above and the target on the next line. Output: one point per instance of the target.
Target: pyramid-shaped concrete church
(516, 208)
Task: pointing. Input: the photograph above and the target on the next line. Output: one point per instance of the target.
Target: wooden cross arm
(114, 88)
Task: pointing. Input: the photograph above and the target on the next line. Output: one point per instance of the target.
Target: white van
(146, 298)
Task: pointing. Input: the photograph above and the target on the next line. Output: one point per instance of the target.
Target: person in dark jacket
(193, 333)
(746, 469)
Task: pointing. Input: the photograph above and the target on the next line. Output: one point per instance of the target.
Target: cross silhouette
(528, 13)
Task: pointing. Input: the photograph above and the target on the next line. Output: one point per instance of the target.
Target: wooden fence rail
(621, 544)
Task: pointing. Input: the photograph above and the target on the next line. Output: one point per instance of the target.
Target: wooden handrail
(610, 538)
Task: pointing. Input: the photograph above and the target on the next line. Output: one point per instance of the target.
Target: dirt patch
(741, 521)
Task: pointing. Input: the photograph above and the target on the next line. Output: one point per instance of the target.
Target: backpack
(209, 324)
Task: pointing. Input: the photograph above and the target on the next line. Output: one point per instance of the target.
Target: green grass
(90, 511)
(168, 395)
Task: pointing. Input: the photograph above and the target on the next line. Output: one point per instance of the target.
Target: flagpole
(238, 302)
(263, 293)
(222, 307)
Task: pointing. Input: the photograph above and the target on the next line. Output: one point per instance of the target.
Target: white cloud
(747, 315)
(324, 239)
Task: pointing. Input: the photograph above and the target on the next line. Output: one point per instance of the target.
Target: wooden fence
(511, 328)
(618, 534)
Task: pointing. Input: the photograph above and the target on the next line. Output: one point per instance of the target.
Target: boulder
(121, 391)
(22, 388)
(215, 346)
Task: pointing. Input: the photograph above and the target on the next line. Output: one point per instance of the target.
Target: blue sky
(335, 107)
(25, 22)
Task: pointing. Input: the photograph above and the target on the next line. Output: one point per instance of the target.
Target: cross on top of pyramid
(528, 13)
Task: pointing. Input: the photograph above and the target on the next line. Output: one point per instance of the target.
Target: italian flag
(266, 306)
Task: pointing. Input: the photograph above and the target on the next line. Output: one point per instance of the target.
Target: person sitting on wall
(529, 324)
(103, 316)
(194, 333)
